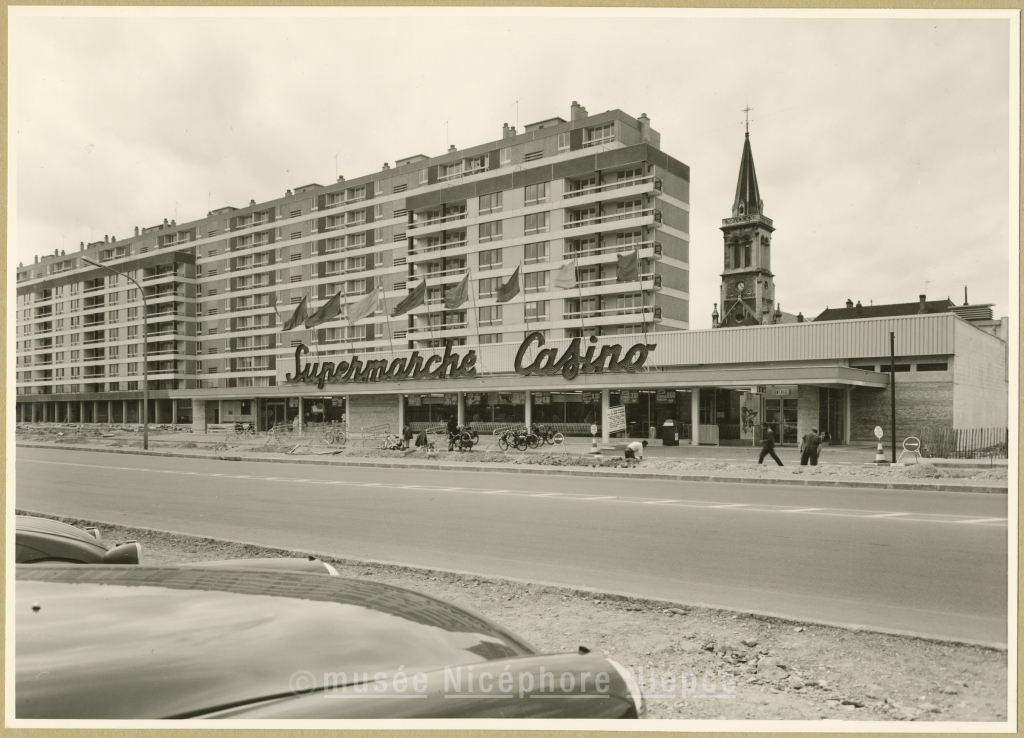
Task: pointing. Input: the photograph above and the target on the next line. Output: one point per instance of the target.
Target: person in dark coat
(809, 448)
(768, 447)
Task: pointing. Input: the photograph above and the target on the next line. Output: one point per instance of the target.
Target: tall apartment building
(217, 290)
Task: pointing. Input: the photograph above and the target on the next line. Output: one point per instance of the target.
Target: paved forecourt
(933, 563)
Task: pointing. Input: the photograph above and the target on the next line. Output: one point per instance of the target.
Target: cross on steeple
(746, 112)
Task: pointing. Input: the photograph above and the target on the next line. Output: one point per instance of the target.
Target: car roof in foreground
(148, 642)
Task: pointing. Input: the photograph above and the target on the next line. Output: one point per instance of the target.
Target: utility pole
(892, 386)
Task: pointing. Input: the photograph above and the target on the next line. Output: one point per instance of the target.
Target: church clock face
(740, 286)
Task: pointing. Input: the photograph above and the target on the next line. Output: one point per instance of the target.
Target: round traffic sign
(593, 429)
(878, 432)
(911, 444)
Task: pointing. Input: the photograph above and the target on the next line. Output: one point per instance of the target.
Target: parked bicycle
(392, 442)
(544, 433)
(463, 439)
(245, 429)
(333, 435)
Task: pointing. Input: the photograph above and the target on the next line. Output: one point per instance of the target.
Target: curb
(537, 469)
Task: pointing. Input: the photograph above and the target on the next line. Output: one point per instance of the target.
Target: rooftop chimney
(287, 193)
(62, 252)
(385, 167)
(136, 230)
(799, 317)
(859, 306)
(165, 221)
(56, 252)
(504, 130)
(452, 148)
(252, 202)
(965, 295)
(921, 309)
(577, 111)
(849, 304)
(106, 238)
(81, 245)
(341, 178)
(37, 258)
(645, 126)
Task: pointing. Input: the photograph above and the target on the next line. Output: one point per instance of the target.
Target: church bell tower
(748, 288)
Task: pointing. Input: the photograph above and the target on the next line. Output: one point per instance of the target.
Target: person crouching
(635, 452)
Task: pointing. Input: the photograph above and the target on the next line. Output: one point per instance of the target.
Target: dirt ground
(695, 663)
(719, 469)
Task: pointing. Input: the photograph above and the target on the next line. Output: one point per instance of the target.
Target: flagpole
(640, 278)
(522, 273)
(579, 291)
(476, 314)
(387, 322)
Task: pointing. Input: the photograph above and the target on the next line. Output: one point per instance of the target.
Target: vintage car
(205, 641)
(42, 540)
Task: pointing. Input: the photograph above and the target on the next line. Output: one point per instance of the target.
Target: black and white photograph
(512, 367)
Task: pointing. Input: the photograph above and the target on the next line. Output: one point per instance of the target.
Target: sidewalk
(846, 466)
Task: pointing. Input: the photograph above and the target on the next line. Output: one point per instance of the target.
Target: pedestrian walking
(406, 435)
(635, 451)
(768, 447)
(809, 448)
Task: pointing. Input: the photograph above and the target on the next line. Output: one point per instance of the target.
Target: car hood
(110, 642)
(42, 538)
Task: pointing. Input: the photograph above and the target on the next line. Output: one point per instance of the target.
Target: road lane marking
(581, 497)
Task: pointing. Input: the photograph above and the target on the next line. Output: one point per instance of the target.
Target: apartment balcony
(650, 313)
(95, 357)
(446, 328)
(651, 213)
(153, 276)
(160, 311)
(436, 223)
(94, 337)
(252, 368)
(93, 372)
(647, 249)
(461, 174)
(93, 288)
(440, 275)
(163, 367)
(42, 330)
(165, 332)
(603, 141)
(43, 343)
(649, 281)
(419, 254)
(44, 375)
(654, 182)
(43, 312)
(93, 320)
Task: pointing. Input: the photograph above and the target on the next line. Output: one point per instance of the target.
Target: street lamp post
(145, 351)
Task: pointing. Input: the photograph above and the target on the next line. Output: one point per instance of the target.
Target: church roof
(885, 311)
(747, 194)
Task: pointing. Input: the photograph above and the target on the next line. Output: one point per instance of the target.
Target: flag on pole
(328, 311)
(510, 289)
(365, 307)
(458, 294)
(297, 317)
(273, 304)
(628, 267)
(413, 300)
(565, 277)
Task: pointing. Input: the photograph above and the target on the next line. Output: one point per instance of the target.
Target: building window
(537, 223)
(937, 367)
(506, 157)
(378, 211)
(884, 368)
(535, 252)
(490, 259)
(563, 141)
(489, 287)
(600, 135)
(490, 203)
(424, 177)
(490, 338)
(490, 231)
(535, 282)
(538, 193)
(378, 187)
(537, 311)
(490, 315)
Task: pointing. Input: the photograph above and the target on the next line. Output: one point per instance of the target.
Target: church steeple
(748, 285)
(748, 198)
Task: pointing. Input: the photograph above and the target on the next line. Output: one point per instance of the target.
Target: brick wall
(919, 405)
(980, 386)
(365, 411)
(806, 410)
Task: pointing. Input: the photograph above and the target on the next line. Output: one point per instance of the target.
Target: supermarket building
(588, 189)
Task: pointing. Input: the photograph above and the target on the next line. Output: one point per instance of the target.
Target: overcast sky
(882, 145)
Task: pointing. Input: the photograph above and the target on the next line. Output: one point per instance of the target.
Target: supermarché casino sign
(451, 365)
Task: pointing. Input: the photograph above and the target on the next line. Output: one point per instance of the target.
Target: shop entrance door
(780, 416)
(274, 415)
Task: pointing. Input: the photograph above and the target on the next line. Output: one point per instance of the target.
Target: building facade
(586, 217)
(217, 290)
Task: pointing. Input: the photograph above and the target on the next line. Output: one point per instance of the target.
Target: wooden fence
(965, 443)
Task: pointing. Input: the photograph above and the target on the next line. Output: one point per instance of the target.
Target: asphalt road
(931, 563)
